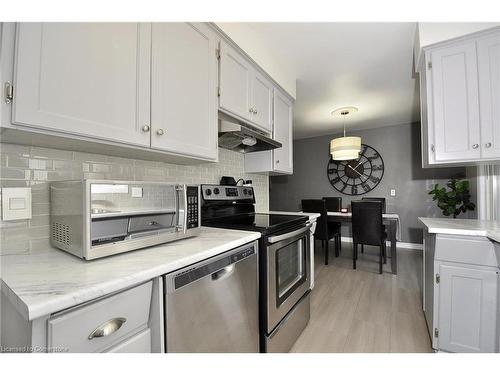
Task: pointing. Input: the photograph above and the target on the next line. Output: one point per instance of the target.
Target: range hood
(241, 138)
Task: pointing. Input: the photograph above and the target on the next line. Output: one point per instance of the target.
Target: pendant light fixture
(345, 148)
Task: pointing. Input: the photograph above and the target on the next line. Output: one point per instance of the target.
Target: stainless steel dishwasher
(212, 306)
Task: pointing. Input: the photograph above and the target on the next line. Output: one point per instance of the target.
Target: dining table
(392, 222)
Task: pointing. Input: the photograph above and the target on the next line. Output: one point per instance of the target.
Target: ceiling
(367, 65)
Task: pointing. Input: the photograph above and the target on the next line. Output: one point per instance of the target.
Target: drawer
(121, 314)
(465, 249)
(140, 343)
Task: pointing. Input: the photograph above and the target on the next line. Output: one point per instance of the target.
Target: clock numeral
(331, 170)
(343, 187)
(365, 186)
(373, 157)
(377, 168)
(335, 180)
(375, 180)
(354, 190)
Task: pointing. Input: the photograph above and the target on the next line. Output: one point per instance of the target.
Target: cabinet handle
(277, 161)
(433, 148)
(108, 328)
(255, 111)
(146, 128)
(160, 132)
(475, 145)
(250, 110)
(488, 145)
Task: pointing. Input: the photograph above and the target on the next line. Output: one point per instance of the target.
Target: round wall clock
(359, 176)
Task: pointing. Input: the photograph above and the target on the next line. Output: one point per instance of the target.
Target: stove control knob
(245, 192)
(216, 191)
(249, 191)
(208, 192)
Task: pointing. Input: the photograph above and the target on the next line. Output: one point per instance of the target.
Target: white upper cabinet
(90, 79)
(460, 100)
(488, 57)
(244, 92)
(262, 102)
(283, 119)
(455, 114)
(184, 89)
(279, 160)
(235, 75)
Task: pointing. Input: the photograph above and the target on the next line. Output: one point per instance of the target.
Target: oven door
(288, 268)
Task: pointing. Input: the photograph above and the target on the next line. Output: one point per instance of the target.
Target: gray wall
(400, 148)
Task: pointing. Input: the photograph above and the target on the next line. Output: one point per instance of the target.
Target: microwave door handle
(184, 225)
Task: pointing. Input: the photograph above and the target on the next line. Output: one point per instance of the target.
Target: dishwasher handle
(223, 273)
(218, 268)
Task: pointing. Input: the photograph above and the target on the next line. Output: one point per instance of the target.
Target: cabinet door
(90, 79)
(467, 309)
(184, 89)
(283, 117)
(455, 103)
(235, 75)
(488, 55)
(262, 102)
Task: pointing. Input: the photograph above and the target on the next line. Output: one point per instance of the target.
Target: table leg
(392, 238)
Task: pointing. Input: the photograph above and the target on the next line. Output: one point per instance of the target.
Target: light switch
(16, 203)
(393, 192)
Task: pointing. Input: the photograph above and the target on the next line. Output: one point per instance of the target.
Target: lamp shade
(345, 148)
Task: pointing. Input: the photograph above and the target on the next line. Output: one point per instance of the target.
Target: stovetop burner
(264, 223)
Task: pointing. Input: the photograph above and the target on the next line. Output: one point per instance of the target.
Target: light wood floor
(363, 311)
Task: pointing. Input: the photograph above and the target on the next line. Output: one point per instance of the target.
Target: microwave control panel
(192, 207)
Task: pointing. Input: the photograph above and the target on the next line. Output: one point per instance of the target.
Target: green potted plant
(455, 200)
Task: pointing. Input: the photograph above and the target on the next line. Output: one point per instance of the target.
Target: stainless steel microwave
(96, 218)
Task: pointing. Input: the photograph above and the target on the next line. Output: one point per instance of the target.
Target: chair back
(367, 227)
(376, 199)
(333, 204)
(318, 206)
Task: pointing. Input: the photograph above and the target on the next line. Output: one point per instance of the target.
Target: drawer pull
(108, 328)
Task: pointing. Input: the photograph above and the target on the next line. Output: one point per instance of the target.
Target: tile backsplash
(36, 167)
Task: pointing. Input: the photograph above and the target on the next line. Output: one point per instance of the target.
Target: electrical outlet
(393, 192)
(16, 203)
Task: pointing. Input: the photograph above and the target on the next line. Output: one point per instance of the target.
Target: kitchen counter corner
(51, 280)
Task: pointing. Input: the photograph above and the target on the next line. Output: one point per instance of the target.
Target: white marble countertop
(312, 215)
(465, 227)
(48, 281)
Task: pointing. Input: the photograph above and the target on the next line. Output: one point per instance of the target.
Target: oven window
(290, 265)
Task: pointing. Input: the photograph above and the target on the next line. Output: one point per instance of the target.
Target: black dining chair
(323, 232)
(367, 228)
(382, 200)
(376, 199)
(334, 204)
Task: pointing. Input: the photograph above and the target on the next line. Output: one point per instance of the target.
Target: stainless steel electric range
(284, 256)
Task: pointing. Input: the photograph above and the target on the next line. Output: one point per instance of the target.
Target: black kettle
(228, 181)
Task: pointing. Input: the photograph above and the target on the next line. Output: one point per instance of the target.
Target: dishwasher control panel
(205, 268)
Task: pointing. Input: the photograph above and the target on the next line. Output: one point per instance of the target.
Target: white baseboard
(400, 245)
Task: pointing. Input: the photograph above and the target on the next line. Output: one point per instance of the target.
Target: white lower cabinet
(101, 324)
(461, 291)
(140, 343)
(467, 319)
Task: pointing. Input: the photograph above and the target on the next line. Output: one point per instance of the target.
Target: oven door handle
(281, 237)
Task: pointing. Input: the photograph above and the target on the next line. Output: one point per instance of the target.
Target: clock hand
(355, 170)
